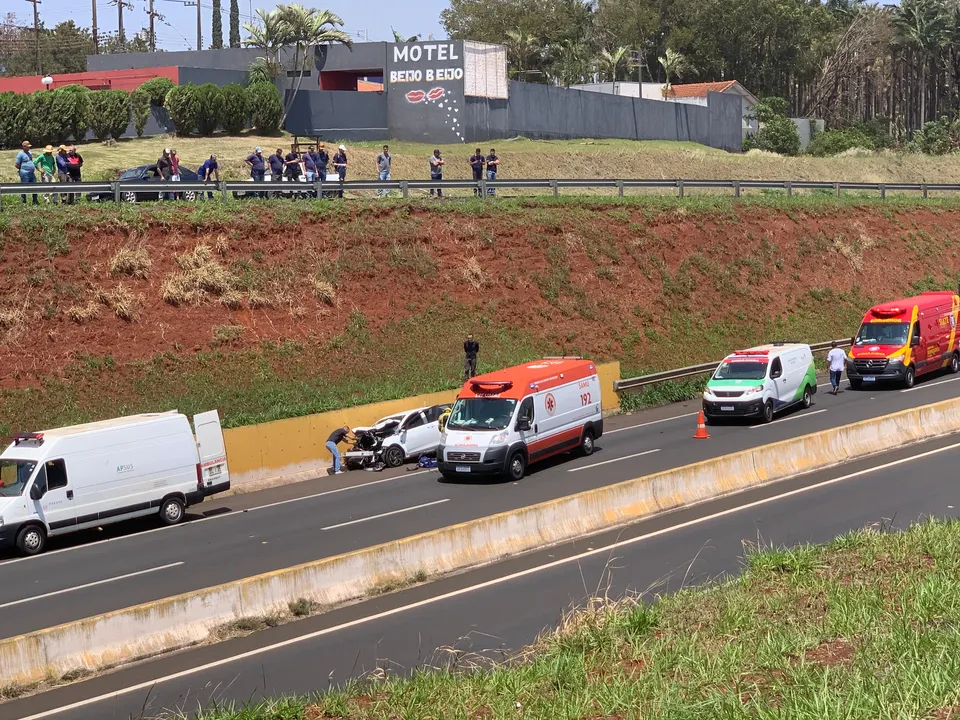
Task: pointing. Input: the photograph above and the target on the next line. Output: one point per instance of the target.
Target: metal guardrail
(643, 381)
(228, 188)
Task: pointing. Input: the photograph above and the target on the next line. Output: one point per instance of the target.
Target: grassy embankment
(534, 159)
(295, 308)
(862, 628)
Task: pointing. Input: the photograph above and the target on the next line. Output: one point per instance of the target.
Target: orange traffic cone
(701, 433)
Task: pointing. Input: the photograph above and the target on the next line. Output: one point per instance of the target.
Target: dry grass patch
(200, 276)
(324, 291)
(257, 300)
(84, 313)
(123, 301)
(232, 299)
(473, 272)
(227, 334)
(132, 261)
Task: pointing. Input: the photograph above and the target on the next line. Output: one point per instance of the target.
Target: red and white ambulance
(505, 420)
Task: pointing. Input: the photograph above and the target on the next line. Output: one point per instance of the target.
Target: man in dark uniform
(477, 161)
(470, 349)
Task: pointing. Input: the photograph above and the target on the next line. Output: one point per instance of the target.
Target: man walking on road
(337, 437)
(836, 359)
(470, 349)
(383, 168)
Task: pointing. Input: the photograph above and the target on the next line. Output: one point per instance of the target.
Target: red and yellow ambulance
(903, 339)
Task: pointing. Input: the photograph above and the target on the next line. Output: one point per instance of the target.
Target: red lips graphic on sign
(436, 93)
(415, 96)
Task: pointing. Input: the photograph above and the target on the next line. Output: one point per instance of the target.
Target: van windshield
(741, 370)
(14, 475)
(883, 333)
(481, 414)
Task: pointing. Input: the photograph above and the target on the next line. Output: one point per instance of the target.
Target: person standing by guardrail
(340, 165)
(26, 168)
(383, 169)
(257, 166)
(836, 360)
(63, 174)
(470, 350)
(175, 170)
(74, 168)
(337, 437)
(47, 166)
(436, 171)
(493, 167)
(208, 171)
(165, 168)
(476, 164)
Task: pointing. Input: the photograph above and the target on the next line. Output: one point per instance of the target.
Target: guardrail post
(789, 186)
(116, 192)
(483, 188)
(836, 187)
(680, 189)
(923, 190)
(736, 188)
(883, 191)
(620, 188)
(553, 184)
(223, 190)
(403, 189)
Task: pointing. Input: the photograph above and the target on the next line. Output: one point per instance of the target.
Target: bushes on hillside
(73, 107)
(834, 142)
(157, 89)
(184, 108)
(936, 137)
(209, 108)
(266, 107)
(236, 111)
(109, 113)
(777, 132)
(140, 104)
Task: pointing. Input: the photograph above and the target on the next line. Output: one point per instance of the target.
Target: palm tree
(568, 62)
(307, 29)
(612, 65)
(271, 35)
(922, 27)
(522, 51)
(398, 38)
(674, 65)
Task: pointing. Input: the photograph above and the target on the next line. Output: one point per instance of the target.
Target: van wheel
(768, 411)
(586, 443)
(955, 363)
(171, 511)
(517, 466)
(807, 397)
(856, 384)
(31, 540)
(393, 456)
(909, 377)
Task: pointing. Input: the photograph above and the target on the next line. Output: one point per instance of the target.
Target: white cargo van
(761, 381)
(505, 420)
(59, 481)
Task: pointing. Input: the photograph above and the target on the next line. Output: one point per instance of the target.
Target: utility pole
(154, 15)
(36, 30)
(96, 37)
(121, 4)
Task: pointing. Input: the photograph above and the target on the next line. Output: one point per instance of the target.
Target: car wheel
(909, 377)
(128, 196)
(517, 466)
(171, 511)
(394, 456)
(856, 384)
(190, 196)
(955, 363)
(768, 411)
(807, 397)
(586, 443)
(31, 540)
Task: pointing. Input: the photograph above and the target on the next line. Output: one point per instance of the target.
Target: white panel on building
(484, 70)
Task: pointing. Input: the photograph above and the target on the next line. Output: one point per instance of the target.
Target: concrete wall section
(363, 56)
(201, 75)
(228, 59)
(425, 99)
(335, 115)
(725, 129)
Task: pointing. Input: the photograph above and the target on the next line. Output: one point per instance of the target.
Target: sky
(364, 19)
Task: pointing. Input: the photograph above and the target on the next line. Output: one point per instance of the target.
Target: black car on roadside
(146, 173)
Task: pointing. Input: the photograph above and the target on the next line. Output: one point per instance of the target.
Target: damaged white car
(393, 439)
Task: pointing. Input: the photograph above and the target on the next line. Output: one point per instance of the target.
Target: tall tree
(234, 23)
(674, 65)
(613, 66)
(922, 26)
(217, 42)
(523, 53)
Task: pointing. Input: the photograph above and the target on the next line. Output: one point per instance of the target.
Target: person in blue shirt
(210, 170)
(26, 168)
(257, 166)
(63, 170)
(322, 159)
(493, 166)
(276, 162)
(309, 166)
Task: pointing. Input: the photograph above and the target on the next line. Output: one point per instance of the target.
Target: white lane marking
(787, 419)
(934, 384)
(652, 422)
(326, 492)
(607, 462)
(90, 584)
(472, 588)
(386, 514)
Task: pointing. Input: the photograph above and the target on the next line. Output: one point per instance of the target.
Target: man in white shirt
(836, 359)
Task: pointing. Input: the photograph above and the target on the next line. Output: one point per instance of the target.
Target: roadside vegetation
(863, 627)
(274, 310)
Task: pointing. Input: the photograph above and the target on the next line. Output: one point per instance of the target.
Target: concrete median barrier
(175, 622)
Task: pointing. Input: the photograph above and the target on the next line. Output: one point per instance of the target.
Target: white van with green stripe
(761, 381)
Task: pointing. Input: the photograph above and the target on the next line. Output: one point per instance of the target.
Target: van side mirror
(523, 424)
(36, 492)
(914, 341)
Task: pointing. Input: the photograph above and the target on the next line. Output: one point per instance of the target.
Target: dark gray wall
(199, 76)
(544, 112)
(228, 59)
(336, 115)
(363, 56)
(418, 68)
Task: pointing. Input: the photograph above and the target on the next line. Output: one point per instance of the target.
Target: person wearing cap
(47, 166)
(340, 164)
(165, 168)
(63, 173)
(257, 166)
(74, 164)
(26, 168)
(210, 170)
(436, 170)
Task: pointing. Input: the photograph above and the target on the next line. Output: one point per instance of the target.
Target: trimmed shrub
(210, 108)
(109, 113)
(266, 107)
(184, 108)
(236, 111)
(834, 142)
(778, 135)
(73, 104)
(140, 103)
(43, 124)
(11, 131)
(157, 89)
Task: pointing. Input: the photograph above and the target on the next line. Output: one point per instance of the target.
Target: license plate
(215, 470)
(870, 378)
(463, 468)
(727, 408)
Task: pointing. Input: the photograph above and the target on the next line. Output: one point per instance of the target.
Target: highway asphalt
(502, 607)
(256, 533)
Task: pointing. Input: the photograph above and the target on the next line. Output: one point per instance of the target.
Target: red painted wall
(103, 80)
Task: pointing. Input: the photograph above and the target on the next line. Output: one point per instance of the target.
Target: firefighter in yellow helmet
(442, 420)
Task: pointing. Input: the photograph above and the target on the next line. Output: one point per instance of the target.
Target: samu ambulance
(760, 381)
(899, 340)
(505, 420)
